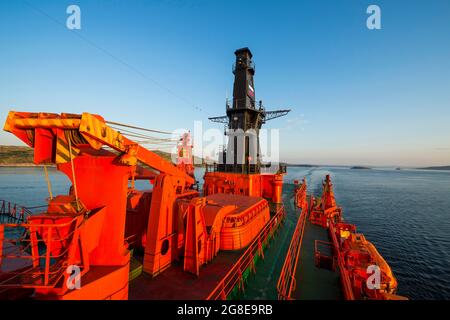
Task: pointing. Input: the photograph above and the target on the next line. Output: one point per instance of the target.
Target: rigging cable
(49, 185)
(73, 174)
(138, 128)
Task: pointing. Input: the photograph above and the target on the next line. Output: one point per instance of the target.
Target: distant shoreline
(301, 165)
(22, 157)
(32, 165)
(436, 168)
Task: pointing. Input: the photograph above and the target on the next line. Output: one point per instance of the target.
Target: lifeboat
(362, 259)
(237, 219)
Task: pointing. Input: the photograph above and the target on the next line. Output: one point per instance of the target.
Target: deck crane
(99, 202)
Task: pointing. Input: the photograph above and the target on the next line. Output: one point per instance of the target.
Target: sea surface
(405, 213)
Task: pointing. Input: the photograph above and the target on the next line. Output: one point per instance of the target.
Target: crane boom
(96, 132)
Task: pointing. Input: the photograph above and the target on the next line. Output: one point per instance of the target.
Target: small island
(300, 165)
(360, 168)
(436, 168)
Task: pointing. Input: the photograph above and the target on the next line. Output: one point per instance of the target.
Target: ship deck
(263, 284)
(312, 283)
(174, 283)
(315, 283)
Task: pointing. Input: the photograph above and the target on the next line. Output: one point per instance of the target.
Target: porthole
(165, 247)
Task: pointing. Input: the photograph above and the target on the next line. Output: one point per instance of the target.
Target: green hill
(23, 156)
(16, 155)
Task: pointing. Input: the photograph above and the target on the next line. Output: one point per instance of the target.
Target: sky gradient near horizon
(358, 96)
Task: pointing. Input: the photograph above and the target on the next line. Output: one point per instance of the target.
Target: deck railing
(13, 213)
(345, 279)
(234, 278)
(325, 255)
(35, 255)
(274, 168)
(287, 282)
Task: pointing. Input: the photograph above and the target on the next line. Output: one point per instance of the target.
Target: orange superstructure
(245, 218)
(269, 186)
(325, 211)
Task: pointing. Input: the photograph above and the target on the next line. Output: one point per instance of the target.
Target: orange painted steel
(195, 237)
(162, 238)
(345, 279)
(86, 129)
(69, 237)
(234, 278)
(138, 202)
(325, 211)
(34, 268)
(221, 222)
(286, 284)
(74, 143)
(269, 186)
(358, 255)
(242, 225)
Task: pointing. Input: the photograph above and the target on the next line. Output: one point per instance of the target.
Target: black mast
(244, 119)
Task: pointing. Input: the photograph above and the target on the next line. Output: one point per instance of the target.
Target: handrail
(234, 275)
(13, 212)
(346, 283)
(287, 282)
(39, 253)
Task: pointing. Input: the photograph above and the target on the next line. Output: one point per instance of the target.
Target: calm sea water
(405, 213)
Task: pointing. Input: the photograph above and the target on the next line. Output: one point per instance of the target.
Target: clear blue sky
(379, 97)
